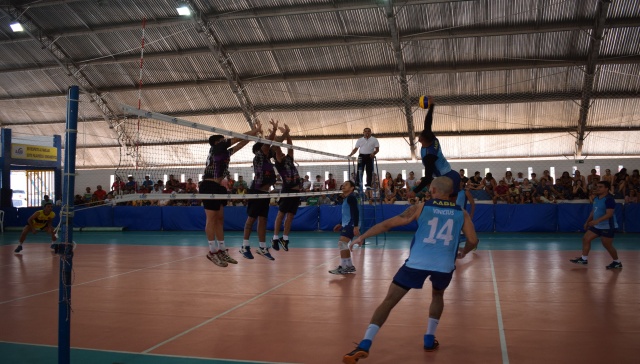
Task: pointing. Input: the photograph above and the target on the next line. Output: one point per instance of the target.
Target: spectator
(147, 183)
(592, 176)
(475, 182)
(565, 180)
(580, 191)
(330, 184)
(411, 181)
(230, 184)
(519, 179)
(489, 184)
(399, 184)
(579, 177)
(277, 187)
(387, 182)
(389, 195)
(620, 181)
(632, 198)
(501, 192)
(546, 175)
(131, 185)
(508, 178)
(634, 181)
(527, 198)
(46, 200)
(99, 193)
(78, 200)
(546, 197)
(463, 178)
(526, 187)
(306, 184)
(373, 193)
(317, 185)
(87, 195)
(172, 184)
(560, 191)
(240, 186)
(118, 186)
(514, 194)
(191, 187)
(534, 180)
(608, 177)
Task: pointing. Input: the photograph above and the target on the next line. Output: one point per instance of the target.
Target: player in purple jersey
(264, 178)
(216, 169)
(291, 183)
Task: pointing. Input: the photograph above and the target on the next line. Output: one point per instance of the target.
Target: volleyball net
(163, 158)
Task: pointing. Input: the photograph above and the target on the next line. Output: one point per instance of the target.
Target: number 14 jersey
(435, 244)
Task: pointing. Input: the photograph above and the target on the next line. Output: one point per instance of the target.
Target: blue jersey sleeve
(353, 207)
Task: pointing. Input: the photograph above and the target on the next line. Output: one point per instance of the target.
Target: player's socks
(246, 243)
(263, 244)
(221, 246)
(432, 326)
(212, 246)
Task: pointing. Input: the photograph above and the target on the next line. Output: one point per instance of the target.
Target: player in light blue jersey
(434, 162)
(601, 222)
(348, 228)
(433, 253)
(465, 196)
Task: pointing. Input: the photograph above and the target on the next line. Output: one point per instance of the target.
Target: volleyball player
(41, 220)
(348, 228)
(433, 252)
(264, 178)
(216, 169)
(434, 162)
(602, 222)
(291, 183)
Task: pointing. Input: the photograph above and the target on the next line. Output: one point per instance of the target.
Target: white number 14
(444, 234)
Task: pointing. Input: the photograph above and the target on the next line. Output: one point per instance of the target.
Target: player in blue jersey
(348, 228)
(465, 196)
(433, 253)
(601, 222)
(434, 162)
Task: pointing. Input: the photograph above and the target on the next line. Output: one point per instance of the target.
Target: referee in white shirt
(369, 147)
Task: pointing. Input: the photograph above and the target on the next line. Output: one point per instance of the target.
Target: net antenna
(180, 159)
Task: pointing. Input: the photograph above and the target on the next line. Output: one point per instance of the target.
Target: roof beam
(460, 100)
(224, 60)
(348, 74)
(590, 71)
(466, 32)
(402, 74)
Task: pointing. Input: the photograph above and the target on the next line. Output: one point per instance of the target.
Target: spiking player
(434, 162)
(216, 169)
(291, 183)
(434, 250)
(264, 178)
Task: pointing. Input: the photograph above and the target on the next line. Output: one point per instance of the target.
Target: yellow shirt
(42, 220)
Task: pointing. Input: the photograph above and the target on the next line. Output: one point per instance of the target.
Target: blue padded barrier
(526, 218)
(619, 212)
(10, 216)
(572, 216)
(234, 218)
(390, 211)
(632, 218)
(138, 218)
(330, 216)
(101, 216)
(306, 219)
(183, 218)
(483, 218)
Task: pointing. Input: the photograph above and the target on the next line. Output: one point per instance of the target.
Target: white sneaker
(215, 259)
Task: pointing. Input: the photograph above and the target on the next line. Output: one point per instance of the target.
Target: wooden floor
(155, 298)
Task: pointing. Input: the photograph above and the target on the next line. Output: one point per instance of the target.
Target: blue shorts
(603, 233)
(347, 231)
(408, 278)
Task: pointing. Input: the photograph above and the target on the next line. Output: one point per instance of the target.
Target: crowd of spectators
(389, 190)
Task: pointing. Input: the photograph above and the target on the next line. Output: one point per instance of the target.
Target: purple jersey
(218, 160)
(265, 175)
(289, 173)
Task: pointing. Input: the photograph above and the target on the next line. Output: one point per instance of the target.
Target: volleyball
(425, 102)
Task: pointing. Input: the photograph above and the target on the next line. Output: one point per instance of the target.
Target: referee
(369, 147)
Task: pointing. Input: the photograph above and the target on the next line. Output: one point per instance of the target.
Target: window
(182, 179)
(573, 170)
(529, 171)
(509, 169)
(200, 176)
(552, 173)
(235, 176)
(620, 167)
(597, 168)
(487, 170)
(404, 174)
(345, 176)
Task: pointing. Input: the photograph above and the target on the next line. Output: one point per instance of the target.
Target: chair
(2, 221)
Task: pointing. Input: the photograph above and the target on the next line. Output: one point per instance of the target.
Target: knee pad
(342, 245)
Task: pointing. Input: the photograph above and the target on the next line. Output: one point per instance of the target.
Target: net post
(65, 247)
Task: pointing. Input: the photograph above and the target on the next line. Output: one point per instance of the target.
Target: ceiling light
(16, 27)
(184, 10)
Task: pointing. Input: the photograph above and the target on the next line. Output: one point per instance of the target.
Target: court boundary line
(148, 354)
(98, 279)
(238, 306)
(503, 340)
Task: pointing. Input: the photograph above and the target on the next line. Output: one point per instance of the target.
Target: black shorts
(408, 278)
(289, 205)
(258, 207)
(603, 233)
(209, 188)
